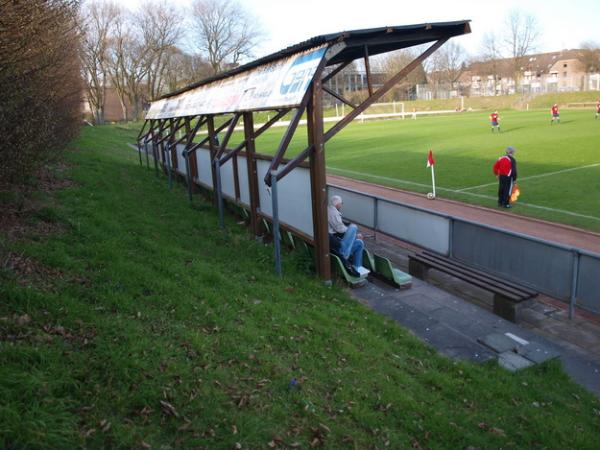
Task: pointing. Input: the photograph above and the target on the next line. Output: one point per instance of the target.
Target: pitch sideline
(472, 194)
(547, 174)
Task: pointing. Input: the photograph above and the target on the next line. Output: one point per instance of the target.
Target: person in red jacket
(505, 169)
(555, 114)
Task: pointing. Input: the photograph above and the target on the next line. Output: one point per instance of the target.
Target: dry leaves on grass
(28, 270)
(168, 409)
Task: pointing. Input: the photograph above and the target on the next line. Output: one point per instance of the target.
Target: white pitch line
(545, 208)
(461, 192)
(548, 174)
(379, 177)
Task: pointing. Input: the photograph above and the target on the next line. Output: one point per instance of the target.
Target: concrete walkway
(455, 320)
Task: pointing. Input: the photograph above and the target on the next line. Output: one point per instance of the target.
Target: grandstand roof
(378, 40)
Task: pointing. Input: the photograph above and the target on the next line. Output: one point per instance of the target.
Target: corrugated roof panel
(231, 91)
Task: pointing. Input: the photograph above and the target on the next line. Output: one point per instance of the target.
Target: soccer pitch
(558, 165)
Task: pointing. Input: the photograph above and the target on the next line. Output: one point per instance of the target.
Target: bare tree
(393, 63)
(116, 55)
(225, 32)
(182, 69)
(446, 66)
(490, 59)
(160, 27)
(96, 23)
(521, 39)
(591, 56)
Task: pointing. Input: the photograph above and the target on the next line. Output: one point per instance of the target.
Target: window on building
(565, 65)
(564, 74)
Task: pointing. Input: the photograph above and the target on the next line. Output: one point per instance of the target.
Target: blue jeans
(352, 248)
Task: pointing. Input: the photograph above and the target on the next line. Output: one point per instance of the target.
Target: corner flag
(431, 163)
(430, 160)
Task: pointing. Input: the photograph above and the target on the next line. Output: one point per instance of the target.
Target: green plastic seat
(385, 270)
(288, 239)
(301, 244)
(368, 261)
(266, 225)
(339, 268)
(311, 251)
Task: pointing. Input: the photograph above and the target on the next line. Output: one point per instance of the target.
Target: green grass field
(559, 165)
(129, 320)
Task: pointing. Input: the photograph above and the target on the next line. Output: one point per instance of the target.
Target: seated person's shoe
(350, 269)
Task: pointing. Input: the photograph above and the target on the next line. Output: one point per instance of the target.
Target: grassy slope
(154, 304)
(465, 150)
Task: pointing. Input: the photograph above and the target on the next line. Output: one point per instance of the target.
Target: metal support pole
(140, 153)
(375, 214)
(147, 157)
(188, 174)
(252, 172)
(217, 167)
(155, 154)
(168, 160)
(574, 279)
(451, 238)
(276, 235)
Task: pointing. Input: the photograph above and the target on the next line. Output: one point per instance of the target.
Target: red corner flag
(430, 161)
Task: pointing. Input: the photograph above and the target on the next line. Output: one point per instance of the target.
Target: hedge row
(40, 84)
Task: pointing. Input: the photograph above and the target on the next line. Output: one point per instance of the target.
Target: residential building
(561, 71)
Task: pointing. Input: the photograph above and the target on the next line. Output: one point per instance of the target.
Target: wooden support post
(236, 177)
(382, 90)
(188, 126)
(231, 127)
(210, 125)
(139, 147)
(339, 97)
(169, 157)
(175, 125)
(368, 70)
(318, 182)
(335, 71)
(155, 136)
(294, 162)
(188, 168)
(190, 149)
(252, 172)
(257, 133)
(287, 138)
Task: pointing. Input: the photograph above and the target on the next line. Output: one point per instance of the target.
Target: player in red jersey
(555, 114)
(598, 109)
(495, 121)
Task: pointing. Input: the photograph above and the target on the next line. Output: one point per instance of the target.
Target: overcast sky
(563, 23)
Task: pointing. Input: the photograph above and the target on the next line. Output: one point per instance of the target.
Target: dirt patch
(51, 179)
(24, 329)
(23, 215)
(28, 271)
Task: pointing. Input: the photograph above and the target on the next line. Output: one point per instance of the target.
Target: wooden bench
(509, 297)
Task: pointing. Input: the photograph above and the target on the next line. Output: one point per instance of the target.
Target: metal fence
(567, 273)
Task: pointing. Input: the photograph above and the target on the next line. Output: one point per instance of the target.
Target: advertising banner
(273, 85)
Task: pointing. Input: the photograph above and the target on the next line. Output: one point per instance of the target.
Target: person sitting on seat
(350, 240)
